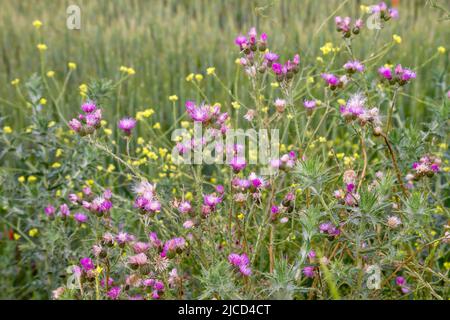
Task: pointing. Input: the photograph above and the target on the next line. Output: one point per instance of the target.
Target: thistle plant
(91, 209)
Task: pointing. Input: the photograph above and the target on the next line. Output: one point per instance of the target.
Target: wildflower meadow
(191, 150)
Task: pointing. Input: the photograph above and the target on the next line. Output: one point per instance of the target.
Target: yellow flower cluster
(30, 179)
(41, 47)
(128, 70)
(144, 114)
(83, 89)
(328, 47)
(192, 76)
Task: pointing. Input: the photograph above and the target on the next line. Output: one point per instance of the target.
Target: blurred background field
(166, 40)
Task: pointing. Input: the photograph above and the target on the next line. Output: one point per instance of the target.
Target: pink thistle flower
(64, 210)
(309, 271)
(238, 164)
(332, 81)
(140, 247)
(114, 293)
(88, 107)
(49, 211)
(123, 238)
(80, 217)
(126, 125)
(75, 125)
(188, 224)
(185, 207)
(211, 200)
(353, 66)
(154, 241)
(87, 264)
(138, 260)
(309, 104)
(385, 72)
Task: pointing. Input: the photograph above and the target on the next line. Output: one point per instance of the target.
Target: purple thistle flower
(139, 259)
(331, 80)
(64, 210)
(126, 125)
(211, 200)
(277, 68)
(87, 264)
(185, 207)
(353, 66)
(154, 240)
(80, 217)
(114, 293)
(49, 211)
(241, 41)
(309, 104)
(271, 57)
(385, 72)
(238, 164)
(75, 125)
(241, 262)
(88, 107)
(309, 271)
(140, 247)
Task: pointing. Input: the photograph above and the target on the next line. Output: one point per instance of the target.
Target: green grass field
(166, 40)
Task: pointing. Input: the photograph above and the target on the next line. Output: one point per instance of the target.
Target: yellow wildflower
(32, 179)
(157, 126)
(41, 47)
(189, 196)
(441, 50)
(397, 39)
(43, 101)
(198, 77)
(210, 70)
(33, 232)
(50, 74)
(72, 65)
(56, 165)
(341, 102)
(173, 98)
(7, 129)
(15, 82)
(190, 77)
(37, 24)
